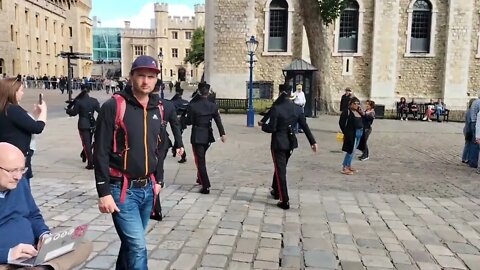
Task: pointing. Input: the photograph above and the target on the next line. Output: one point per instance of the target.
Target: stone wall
(474, 71)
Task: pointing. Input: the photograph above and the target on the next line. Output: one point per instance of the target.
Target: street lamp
(160, 61)
(252, 45)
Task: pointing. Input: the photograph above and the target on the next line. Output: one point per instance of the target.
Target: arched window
(2, 66)
(348, 35)
(278, 26)
(421, 27)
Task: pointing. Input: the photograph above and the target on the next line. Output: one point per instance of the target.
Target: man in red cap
(130, 130)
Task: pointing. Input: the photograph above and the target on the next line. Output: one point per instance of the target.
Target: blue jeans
(347, 161)
(466, 150)
(130, 223)
(473, 149)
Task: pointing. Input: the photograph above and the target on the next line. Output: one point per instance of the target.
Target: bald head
(12, 165)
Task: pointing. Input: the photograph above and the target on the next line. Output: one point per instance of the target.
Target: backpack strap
(119, 123)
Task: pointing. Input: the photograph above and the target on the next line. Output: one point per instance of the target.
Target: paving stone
(214, 260)
(323, 259)
(264, 265)
(185, 261)
(220, 250)
(376, 261)
(272, 243)
(293, 262)
(292, 251)
(239, 266)
(243, 257)
(472, 261)
(369, 243)
(439, 250)
(348, 265)
(343, 239)
(449, 262)
(348, 255)
(164, 254)
(223, 240)
(420, 256)
(405, 266)
(400, 258)
(462, 248)
(102, 262)
(428, 266)
(246, 245)
(268, 254)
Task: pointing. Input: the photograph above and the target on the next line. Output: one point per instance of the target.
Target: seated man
(22, 227)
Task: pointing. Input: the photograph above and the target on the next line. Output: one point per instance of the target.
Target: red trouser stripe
(85, 152)
(196, 164)
(277, 177)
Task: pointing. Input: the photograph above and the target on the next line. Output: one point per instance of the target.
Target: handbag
(340, 136)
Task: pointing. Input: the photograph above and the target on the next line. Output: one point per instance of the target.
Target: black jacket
(84, 106)
(141, 156)
(282, 116)
(170, 116)
(347, 125)
(199, 115)
(181, 106)
(344, 102)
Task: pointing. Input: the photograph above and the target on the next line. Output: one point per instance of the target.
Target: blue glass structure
(106, 44)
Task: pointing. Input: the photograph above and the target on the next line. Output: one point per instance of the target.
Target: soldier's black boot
(274, 194)
(205, 190)
(283, 205)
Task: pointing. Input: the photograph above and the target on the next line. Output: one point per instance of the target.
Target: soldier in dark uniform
(85, 106)
(282, 116)
(200, 114)
(181, 106)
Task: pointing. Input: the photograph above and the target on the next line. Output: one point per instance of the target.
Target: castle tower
(199, 16)
(161, 19)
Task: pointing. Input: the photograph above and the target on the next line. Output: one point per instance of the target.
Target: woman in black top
(351, 124)
(16, 125)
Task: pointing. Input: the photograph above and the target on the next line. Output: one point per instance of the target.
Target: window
(15, 14)
(71, 49)
(348, 31)
(187, 52)
(70, 30)
(171, 72)
(37, 21)
(27, 38)
(47, 49)
(2, 66)
(1, 7)
(278, 26)
(46, 24)
(37, 41)
(422, 22)
(26, 16)
(188, 35)
(174, 53)
(54, 27)
(174, 35)
(55, 48)
(139, 50)
(61, 29)
(11, 33)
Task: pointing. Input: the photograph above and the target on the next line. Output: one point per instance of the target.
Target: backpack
(119, 123)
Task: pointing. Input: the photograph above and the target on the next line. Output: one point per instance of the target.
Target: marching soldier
(282, 116)
(85, 106)
(199, 115)
(181, 106)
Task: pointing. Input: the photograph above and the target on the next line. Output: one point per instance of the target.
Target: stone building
(170, 35)
(383, 50)
(34, 32)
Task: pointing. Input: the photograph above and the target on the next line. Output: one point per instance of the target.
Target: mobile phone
(40, 99)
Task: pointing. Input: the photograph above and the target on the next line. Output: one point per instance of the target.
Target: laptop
(55, 246)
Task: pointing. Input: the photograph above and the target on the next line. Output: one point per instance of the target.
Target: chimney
(127, 24)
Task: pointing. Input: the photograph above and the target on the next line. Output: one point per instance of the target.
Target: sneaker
(401, 119)
(364, 158)
(346, 171)
(274, 195)
(406, 119)
(429, 120)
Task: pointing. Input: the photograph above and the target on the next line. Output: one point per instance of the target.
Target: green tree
(317, 16)
(197, 48)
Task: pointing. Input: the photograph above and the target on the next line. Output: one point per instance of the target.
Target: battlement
(138, 32)
(161, 7)
(177, 22)
(199, 8)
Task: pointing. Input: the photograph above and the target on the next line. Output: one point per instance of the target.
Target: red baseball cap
(145, 61)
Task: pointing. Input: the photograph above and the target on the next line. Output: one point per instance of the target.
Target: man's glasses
(17, 171)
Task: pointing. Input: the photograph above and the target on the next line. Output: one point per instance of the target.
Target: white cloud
(144, 17)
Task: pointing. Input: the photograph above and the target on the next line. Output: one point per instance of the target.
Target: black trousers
(199, 153)
(366, 134)
(279, 183)
(86, 138)
(161, 158)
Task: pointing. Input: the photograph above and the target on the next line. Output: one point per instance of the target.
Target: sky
(113, 13)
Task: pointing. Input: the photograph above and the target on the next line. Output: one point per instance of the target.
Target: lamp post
(160, 61)
(252, 44)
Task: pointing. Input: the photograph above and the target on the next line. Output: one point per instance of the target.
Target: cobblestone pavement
(411, 206)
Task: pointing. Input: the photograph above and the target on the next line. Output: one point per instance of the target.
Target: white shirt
(300, 98)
